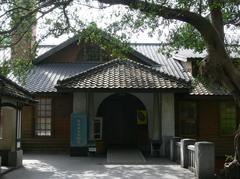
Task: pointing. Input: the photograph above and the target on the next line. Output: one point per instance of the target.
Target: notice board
(78, 129)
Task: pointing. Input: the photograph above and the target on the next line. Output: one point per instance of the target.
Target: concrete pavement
(42, 166)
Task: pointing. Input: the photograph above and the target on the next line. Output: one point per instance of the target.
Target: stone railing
(178, 152)
(199, 157)
(191, 158)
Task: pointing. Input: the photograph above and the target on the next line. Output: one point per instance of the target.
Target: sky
(102, 17)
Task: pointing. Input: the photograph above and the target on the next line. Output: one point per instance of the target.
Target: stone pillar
(173, 148)
(204, 160)
(15, 158)
(168, 122)
(184, 151)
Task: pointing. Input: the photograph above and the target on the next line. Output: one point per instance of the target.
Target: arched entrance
(120, 124)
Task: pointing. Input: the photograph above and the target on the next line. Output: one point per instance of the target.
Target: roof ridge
(86, 71)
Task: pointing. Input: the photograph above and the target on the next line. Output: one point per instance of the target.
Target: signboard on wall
(78, 129)
(141, 117)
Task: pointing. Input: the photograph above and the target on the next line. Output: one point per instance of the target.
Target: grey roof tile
(123, 74)
(44, 77)
(11, 89)
(166, 65)
(203, 89)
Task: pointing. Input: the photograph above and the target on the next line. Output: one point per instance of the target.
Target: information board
(78, 129)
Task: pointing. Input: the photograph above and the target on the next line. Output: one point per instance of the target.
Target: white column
(168, 121)
(80, 102)
(156, 130)
(91, 115)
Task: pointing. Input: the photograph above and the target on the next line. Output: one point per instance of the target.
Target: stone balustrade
(198, 156)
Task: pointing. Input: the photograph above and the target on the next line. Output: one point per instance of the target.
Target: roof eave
(146, 90)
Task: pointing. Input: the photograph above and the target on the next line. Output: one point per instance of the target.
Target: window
(43, 121)
(187, 118)
(1, 124)
(92, 53)
(228, 117)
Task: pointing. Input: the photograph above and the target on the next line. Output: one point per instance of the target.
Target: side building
(12, 100)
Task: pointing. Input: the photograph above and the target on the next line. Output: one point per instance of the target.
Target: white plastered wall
(79, 102)
(168, 121)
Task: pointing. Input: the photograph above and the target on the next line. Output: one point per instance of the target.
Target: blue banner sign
(78, 129)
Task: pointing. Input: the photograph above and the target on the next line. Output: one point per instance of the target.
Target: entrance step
(125, 156)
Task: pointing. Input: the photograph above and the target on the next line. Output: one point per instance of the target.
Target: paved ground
(66, 167)
(125, 156)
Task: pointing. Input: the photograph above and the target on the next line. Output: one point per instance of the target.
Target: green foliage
(16, 67)
(116, 46)
(5, 68)
(188, 37)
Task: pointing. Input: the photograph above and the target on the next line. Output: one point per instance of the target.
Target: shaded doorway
(120, 124)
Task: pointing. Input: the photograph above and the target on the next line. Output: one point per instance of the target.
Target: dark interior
(119, 112)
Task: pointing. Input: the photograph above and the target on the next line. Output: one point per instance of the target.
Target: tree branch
(203, 25)
(45, 4)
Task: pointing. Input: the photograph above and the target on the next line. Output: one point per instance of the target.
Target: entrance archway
(120, 125)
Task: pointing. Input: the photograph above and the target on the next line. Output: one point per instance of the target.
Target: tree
(206, 18)
(218, 64)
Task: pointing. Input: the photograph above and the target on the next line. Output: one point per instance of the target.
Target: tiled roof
(201, 89)
(149, 52)
(122, 74)
(166, 65)
(11, 89)
(44, 77)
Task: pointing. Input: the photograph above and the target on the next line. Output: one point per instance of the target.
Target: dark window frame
(219, 118)
(83, 54)
(179, 121)
(51, 118)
